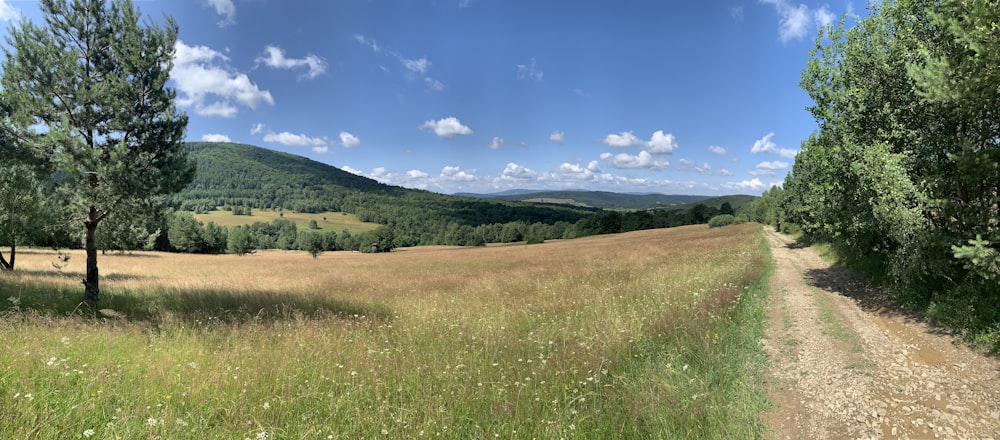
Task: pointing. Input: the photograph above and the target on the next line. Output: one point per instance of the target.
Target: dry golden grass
(590, 337)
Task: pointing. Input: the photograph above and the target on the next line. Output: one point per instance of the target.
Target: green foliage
(721, 220)
(901, 176)
(86, 91)
(240, 242)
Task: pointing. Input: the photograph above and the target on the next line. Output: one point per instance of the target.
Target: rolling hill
(611, 200)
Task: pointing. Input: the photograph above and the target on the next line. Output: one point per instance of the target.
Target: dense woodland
(902, 175)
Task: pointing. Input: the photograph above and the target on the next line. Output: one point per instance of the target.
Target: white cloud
(447, 128)
(558, 136)
(641, 160)
(662, 143)
(529, 71)
(319, 145)
(580, 92)
(737, 13)
(352, 170)
(433, 84)
(416, 174)
(212, 137)
(226, 9)
(349, 140)
(725, 172)
(514, 171)
(257, 128)
(685, 163)
(768, 168)
(577, 172)
(704, 168)
(7, 12)
(824, 17)
(455, 174)
(765, 145)
(199, 79)
(274, 57)
(715, 149)
(624, 140)
(413, 66)
(419, 65)
(797, 21)
(746, 185)
(497, 143)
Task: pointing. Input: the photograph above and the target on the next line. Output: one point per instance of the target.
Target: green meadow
(650, 334)
(326, 221)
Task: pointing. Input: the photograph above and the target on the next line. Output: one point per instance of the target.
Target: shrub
(721, 220)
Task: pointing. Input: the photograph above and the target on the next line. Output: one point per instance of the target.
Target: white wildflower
(88, 433)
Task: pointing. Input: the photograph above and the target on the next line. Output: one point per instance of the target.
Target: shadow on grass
(194, 306)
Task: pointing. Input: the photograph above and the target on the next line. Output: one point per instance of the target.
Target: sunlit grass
(326, 221)
(650, 334)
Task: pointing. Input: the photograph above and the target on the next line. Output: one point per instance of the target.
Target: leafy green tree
(312, 242)
(240, 241)
(20, 208)
(87, 88)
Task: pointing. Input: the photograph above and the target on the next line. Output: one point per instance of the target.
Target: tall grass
(650, 334)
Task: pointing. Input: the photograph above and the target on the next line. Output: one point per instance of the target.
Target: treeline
(902, 175)
(180, 231)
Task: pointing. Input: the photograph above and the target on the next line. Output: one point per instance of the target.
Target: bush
(721, 220)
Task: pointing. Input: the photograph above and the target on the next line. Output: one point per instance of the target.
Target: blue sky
(675, 97)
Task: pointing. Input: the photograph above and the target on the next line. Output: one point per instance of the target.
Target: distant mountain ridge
(612, 200)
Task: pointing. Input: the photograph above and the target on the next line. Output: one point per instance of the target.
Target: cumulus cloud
(577, 172)
(660, 143)
(447, 128)
(558, 136)
(204, 82)
(256, 128)
(349, 140)
(319, 145)
(529, 71)
(685, 163)
(624, 140)
(225, 8)
(715, 149)
(497, 143)
(641, 160)
(274, 57)
(514, 171)
(797, 21)
(456, 174)
(766, 145)
(212, 137)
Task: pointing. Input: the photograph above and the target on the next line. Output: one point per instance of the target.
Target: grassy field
(651, 334)
(327, 221)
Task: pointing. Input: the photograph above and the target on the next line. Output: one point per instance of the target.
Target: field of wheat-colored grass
(649, 334)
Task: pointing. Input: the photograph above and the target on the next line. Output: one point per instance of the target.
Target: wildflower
(262, 435)
(151, 421)
(267, 405)
(88, 433)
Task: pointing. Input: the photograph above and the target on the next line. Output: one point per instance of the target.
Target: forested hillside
(902, 175)
(236, 175)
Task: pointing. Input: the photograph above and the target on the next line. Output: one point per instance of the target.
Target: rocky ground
(846, 364)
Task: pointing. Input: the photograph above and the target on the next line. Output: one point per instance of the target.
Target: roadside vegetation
(650, 334)
(901, 177)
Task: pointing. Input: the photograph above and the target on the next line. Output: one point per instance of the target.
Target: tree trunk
(91, 284)
(4, 265)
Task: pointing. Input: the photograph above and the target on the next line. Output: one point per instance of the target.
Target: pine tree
(86, 89)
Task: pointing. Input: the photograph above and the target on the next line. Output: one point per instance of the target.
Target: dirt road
(844, 365)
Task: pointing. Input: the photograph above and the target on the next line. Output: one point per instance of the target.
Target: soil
(847, 364)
